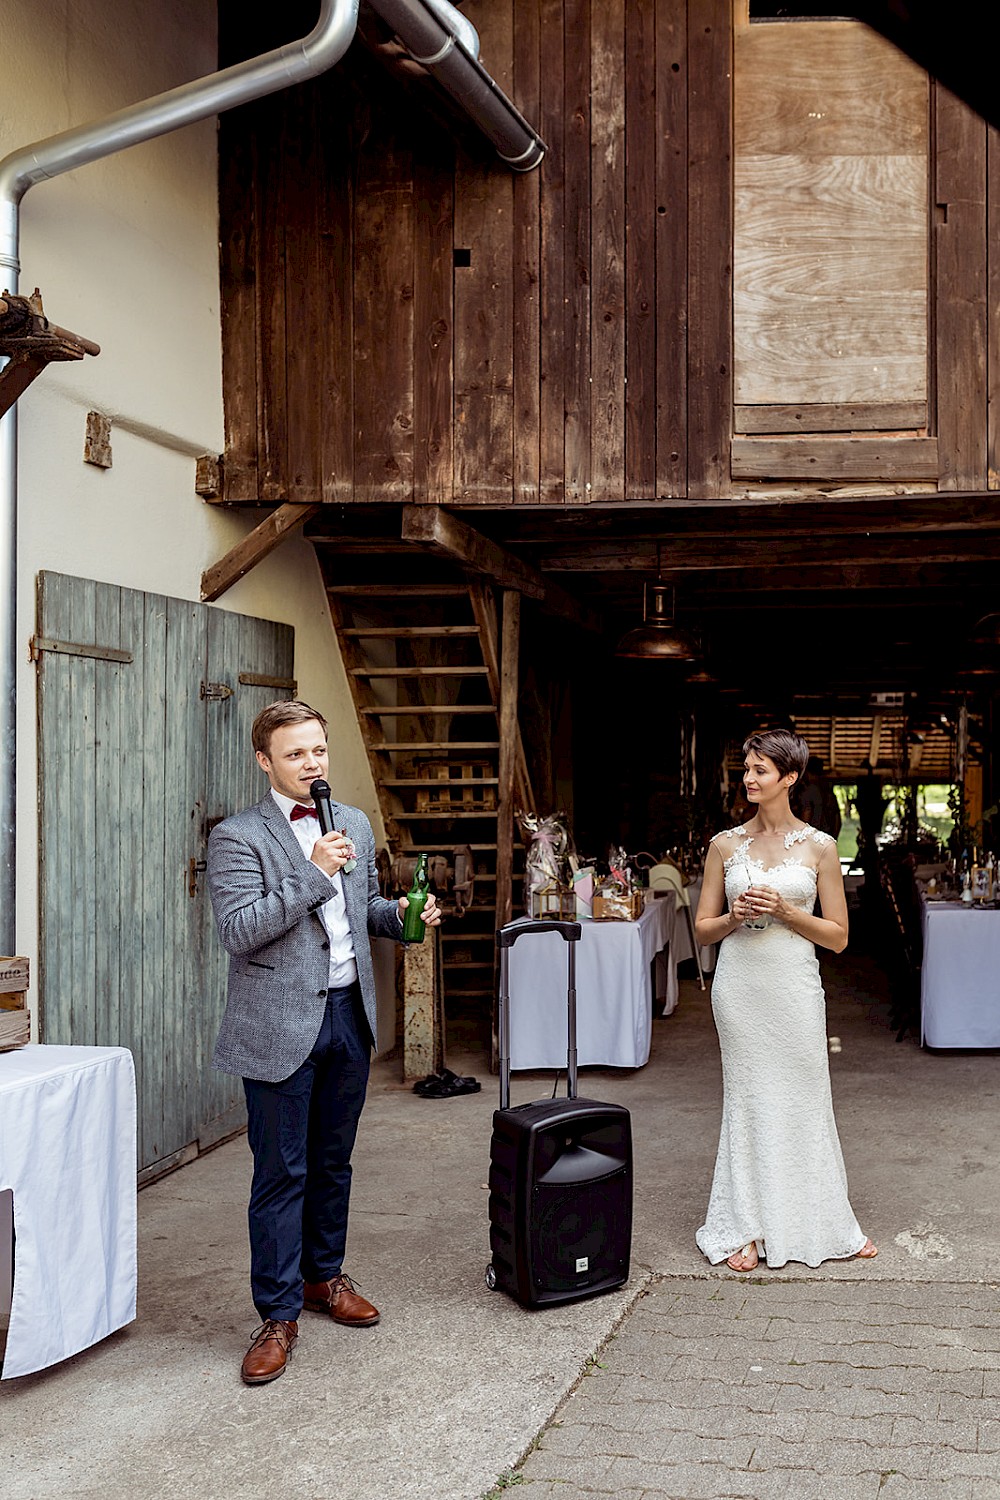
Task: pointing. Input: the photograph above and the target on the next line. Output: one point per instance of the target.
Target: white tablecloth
(960, 976)
(614, 999)
(67, 1151)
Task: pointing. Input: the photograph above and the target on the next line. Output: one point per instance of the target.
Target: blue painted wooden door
(145, 706)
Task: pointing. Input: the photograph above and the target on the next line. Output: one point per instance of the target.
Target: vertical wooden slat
(710, 271)
(80, 829)
(306, 298)
(993, 310)
(607, 227)
(577, 272)
(184, 773)
(671, 148)
(383, 313)
(132, 853)
(961, 279)
(552, 257)
(527, 188)
(272, 312)
(112, 789)
(238, 270)
(484, 308)
(433, 317)
(640, 249)
(155, 891)
(332, 111)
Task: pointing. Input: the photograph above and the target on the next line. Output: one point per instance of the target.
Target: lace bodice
(794, 878)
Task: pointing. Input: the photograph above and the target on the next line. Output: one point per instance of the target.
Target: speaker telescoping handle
(506, 938)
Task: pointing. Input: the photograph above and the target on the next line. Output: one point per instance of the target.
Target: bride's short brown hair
(788, 751)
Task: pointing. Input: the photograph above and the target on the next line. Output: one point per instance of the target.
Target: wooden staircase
(423, 663)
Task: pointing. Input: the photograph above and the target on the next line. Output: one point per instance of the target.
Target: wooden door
(145, 706)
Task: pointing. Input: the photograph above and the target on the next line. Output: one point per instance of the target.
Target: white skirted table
(959, 1002)
(68, 1155)
(614, 999)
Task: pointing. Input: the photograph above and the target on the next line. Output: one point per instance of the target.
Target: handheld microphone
(319, 790)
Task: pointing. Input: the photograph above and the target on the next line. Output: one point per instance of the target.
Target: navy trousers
(301, 1133)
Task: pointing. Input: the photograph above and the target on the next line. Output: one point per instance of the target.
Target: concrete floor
(452, 1388)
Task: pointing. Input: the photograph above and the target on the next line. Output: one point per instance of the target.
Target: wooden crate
(449, 797)
(15, 1018)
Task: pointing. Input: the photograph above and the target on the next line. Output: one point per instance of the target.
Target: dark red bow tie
(301, 811)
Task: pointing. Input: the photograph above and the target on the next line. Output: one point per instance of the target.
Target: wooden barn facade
(741, 328)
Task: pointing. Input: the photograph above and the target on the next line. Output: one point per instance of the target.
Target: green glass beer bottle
(413, 926)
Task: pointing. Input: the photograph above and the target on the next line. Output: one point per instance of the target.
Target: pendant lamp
(658, 638)
(986, 632)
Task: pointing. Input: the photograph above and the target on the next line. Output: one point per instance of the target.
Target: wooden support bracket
(239, 560)
(444, 532)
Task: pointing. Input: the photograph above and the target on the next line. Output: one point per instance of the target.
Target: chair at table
(667, 877)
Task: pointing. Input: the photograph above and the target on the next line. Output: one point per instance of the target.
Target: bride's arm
(827, 931)
(713, 922)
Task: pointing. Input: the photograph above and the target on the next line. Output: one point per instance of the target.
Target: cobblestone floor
(714, 1389)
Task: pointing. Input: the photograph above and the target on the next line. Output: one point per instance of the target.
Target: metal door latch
(215, 692)
(196, 867)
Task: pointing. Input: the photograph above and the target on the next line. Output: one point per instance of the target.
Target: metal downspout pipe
(267, 74)
(437, 37)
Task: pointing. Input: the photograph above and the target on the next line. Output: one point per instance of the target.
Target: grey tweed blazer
(266, 896)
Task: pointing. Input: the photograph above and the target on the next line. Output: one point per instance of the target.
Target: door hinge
(40, 643)
(215, 692)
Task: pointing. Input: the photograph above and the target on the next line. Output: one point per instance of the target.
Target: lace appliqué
(796, 836)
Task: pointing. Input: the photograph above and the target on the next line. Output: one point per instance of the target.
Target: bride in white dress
(780, 1189)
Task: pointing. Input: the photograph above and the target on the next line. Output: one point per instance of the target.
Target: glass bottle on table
(414, 926)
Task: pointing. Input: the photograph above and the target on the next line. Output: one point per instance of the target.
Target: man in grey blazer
(294, 909)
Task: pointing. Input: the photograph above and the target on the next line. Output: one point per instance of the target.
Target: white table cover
(68, 1153)
(614, 1000)
(959, 983)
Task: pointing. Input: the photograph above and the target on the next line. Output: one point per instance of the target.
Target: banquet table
(68, 1155)
(959, 1004)
(681, 947)
(614, 991)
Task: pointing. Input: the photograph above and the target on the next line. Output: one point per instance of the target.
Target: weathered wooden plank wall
(405, 320)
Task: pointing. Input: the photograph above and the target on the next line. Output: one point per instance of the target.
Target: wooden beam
(15, 377)
(510, 643)
(239, 560)
(438, 529)
(681, 554)
(447, 534)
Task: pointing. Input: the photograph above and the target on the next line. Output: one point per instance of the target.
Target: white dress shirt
(333, 914)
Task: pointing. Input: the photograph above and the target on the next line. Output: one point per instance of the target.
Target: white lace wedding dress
(779, 1175)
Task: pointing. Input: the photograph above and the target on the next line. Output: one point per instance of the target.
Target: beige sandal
(738, 1256)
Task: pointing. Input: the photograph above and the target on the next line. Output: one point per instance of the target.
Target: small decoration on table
(553, 903)
(615, 898)
(549, 846)
(15, 1018)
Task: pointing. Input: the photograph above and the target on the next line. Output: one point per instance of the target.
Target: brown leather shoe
(342, 1300)
(270, 1352)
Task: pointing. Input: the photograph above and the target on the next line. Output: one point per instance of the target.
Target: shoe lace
(271, 1328)
(342, 1283)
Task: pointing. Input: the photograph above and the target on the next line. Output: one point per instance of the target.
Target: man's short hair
(788, 751)
(276, 716)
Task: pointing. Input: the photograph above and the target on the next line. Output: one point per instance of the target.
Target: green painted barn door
(145, 704)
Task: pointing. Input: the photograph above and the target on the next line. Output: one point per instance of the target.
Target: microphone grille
(319, 788)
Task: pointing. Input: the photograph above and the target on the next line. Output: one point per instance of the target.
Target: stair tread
(415, 745)
(404, 632)
(418, 710)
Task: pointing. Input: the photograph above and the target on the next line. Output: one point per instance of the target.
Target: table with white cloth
(68, 1155)
(614, 991)
(959, 995)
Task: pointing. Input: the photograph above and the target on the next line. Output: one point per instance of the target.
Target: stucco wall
(126, 252)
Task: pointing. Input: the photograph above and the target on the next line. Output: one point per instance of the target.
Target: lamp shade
(986, 632)
(658, 638)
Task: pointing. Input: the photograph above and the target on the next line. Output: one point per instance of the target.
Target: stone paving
(784, 1389)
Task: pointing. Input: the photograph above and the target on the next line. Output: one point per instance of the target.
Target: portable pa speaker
(560, 1199)
(560, 1172)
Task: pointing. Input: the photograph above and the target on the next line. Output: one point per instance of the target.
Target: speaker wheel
(491, 1277)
